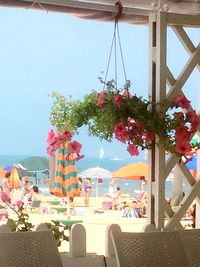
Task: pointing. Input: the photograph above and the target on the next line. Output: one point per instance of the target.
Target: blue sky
(45, 52)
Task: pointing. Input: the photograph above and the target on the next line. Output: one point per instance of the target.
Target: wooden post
(157, 92)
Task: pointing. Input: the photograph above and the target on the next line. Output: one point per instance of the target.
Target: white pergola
(159, 15)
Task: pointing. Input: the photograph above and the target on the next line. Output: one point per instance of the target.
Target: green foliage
(22, 224)
(58, 231)
(102, 112)
(62, 113)
(67, 114)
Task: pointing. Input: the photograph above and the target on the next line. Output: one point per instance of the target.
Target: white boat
(101, 153)
(116, 158)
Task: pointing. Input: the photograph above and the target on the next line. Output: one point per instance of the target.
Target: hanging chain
(116, 36)
(122, 58)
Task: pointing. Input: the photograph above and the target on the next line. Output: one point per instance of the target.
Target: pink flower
(51, 137)
(5, 198)
(179, 115)
(121, 133)
(126, 92)
(119, 128)
(58, 143)
(118, 100)
(75, 147)
(181, 101)
(136, 128)
(182, 134)
(123, 137)
(149, 137)
(50, 150)
(182, 148)
(133, 150)
(19, 203)
(101, 99)
(65, 135)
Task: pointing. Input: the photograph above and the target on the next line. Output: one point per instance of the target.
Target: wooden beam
(183, 20)
(66, 5)
(170, 164)
(185, 40)
(194, 191)
(187, 70)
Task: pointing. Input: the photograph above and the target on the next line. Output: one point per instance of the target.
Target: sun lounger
(59, 209)
(54, 202)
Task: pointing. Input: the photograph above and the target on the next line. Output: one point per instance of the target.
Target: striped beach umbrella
(65, 183)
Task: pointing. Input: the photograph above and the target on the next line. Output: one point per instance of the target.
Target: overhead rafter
(103, 10)
(134, 11)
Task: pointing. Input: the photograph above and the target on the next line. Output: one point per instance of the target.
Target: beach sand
(95, 223)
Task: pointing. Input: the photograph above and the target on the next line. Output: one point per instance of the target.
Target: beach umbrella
(22, 171)
(2, 173)
(14, 179)
(65, 183)
(35, 165)
(192, 165)
(96, 173)
(134, 171)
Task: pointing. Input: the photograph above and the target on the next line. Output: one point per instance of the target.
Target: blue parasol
(192, 164)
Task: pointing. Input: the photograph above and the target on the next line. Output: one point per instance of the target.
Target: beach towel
(130, 213)
(65, 183)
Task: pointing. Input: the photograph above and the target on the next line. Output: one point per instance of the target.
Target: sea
(99, 187)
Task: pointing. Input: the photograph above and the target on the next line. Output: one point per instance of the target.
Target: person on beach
(87, 189)
(72, 206)
(80, 183)
(6, 186)
(114, 193)
(27, 187)
(131, 211)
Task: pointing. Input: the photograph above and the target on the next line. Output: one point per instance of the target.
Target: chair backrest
(153, 249)
(34, 249)
(190, 240)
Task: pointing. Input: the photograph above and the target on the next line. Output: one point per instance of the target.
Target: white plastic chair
(24, 249)
(155, 249)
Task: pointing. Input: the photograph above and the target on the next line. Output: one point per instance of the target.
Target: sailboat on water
(101, 153)
(116, 158)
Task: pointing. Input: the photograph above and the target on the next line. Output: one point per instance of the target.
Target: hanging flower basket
(132, 120)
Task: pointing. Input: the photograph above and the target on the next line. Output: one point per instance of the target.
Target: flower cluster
(55, 141)
(130, 119)
(22, 224)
